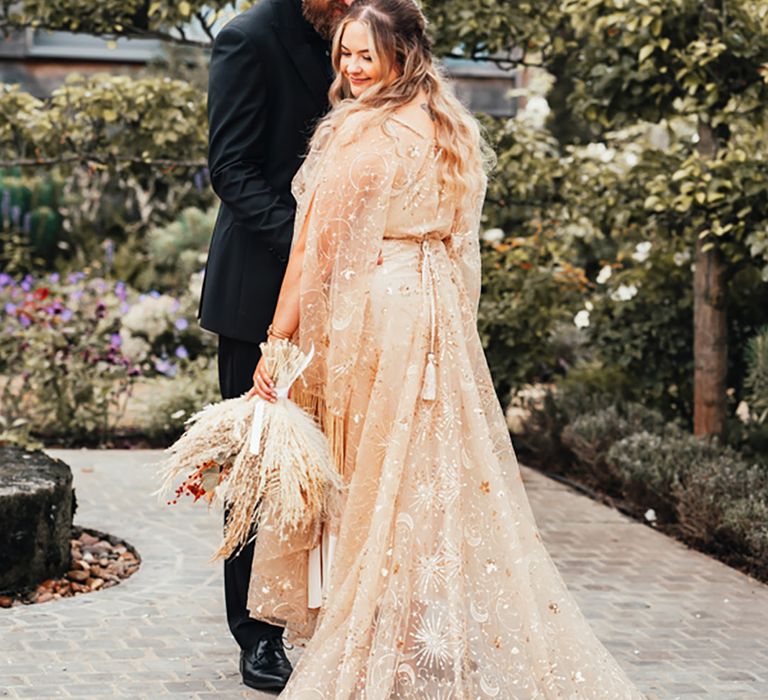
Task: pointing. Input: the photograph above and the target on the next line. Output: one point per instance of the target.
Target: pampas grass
(285, 482)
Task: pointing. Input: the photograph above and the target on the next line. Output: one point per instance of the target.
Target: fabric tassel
(429, 389)
(334, 427)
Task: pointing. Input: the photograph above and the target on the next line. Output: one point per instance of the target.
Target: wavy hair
(397, 32)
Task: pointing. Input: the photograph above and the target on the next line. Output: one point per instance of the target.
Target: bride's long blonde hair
(397, 30)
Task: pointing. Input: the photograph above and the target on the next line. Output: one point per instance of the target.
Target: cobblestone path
(683, 625)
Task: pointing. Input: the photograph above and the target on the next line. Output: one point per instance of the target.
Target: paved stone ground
(684, 626)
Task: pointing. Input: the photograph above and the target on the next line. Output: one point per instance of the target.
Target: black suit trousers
(237, 360)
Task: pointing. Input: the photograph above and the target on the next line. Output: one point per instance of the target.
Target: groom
(269, 77)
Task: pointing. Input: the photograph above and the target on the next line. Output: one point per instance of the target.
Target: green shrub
(745, 522)
(590, 436)
(178, 250)
(527, 293)
(541, 439)
(642, 324)
(173, 401)
(73, 350)
(708, 488)
(717, 498)
(649, 467)
(756, 381)
(64, 373)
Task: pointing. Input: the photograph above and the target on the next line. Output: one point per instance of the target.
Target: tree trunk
(710, 348)
(710, 341)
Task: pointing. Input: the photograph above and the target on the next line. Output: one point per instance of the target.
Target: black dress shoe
(265, 667)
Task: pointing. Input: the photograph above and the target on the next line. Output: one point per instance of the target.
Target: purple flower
(26, 284)
(120, 291)
(66, 315)
(15, 214)
(54, 277)
(154, 294)
(75, 277)
(181, 324)
(10, 309)
(5, 279)
(175, 306)
(181, 352)
(24, 319)
(77, 295)
(115, 341)
(124, 307)
(165, 367)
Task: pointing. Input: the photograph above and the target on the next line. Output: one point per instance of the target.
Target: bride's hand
(263, 386)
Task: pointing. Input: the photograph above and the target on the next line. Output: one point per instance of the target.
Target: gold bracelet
(280, 335)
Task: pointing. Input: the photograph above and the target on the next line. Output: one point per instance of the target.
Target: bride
(440, 586)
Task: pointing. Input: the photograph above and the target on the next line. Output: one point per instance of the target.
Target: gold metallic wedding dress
(439, 585)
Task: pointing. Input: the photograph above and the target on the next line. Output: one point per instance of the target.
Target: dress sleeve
(343, 212)
(464, 245)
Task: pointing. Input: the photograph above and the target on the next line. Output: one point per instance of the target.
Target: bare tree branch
(102, 160)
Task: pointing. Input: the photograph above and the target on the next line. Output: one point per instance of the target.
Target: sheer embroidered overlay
(440, 587)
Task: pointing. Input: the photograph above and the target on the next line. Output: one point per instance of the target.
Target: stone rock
(116, 562)
(78, 575)
(87, 540)
(36, 507)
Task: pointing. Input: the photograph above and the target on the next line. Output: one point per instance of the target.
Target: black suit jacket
(269, 79)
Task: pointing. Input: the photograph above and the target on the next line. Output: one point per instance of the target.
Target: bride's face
(359, 63)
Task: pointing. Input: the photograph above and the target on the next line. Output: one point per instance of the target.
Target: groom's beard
(324, 15)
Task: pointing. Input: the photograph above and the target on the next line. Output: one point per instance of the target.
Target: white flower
(625, 292)
(605, 274)
(581, 319)
(642, 251)
(133, 347)
(588, 305)
(579, 228)
(742, 412)
(631, 159)
(681, 258)
(599, 151)
(151, 316)
(650, 515)
(493, 235)
(535, 111)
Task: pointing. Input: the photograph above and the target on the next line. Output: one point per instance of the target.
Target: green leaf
(645, 52)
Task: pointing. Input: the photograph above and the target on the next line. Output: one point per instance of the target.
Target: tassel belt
(428, 276)
(429, 385)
